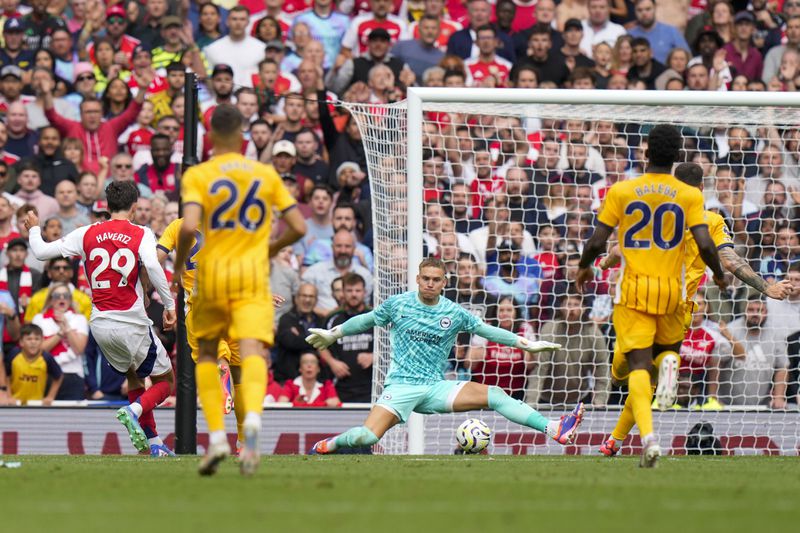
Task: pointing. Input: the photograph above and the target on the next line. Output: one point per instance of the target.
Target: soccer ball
(473, 436)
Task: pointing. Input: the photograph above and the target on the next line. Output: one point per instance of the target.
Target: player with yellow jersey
(230, 201)
(228, 361)
(652, 213)
(691, 174)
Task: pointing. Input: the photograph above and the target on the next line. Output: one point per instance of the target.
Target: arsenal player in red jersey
(115, 253)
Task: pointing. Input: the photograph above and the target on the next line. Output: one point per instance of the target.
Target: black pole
(186, 391)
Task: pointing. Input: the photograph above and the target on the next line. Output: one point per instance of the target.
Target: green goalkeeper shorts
(401, 399)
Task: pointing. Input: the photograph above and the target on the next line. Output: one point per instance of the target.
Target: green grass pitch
(296, 494)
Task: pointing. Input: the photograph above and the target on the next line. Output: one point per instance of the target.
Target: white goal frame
(418, 97)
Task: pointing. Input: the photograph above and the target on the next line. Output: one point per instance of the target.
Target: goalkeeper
(424, 326)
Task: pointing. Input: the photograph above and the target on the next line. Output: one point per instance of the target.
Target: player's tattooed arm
(740, 268)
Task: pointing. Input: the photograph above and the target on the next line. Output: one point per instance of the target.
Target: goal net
(504, 186)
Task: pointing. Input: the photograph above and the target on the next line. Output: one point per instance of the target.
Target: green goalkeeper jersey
(422, 336)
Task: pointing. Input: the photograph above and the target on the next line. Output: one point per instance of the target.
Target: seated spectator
(740, 156)
(50, 160)
(786, 255)
(68, 213)
(662, 37)
(292, 330)
(344, 217)
(30, 371)
(260, 140)
(237, 49)
(423, 51)
(350, 360)
(353, 183)
(29, 181)
(645, 68)
(122, 170)
(309, 163)
(284, 280)
(59, 270)
(597, 27)
(580, 368)
(65, 333)
(506, 367)
(547, 252)
(357, 69)
(462, 42)
(16, 277)
(772, 61)
(488, 69)
(572, 51)
(706, 345)
(99, 138)
(160, 174)
(171, 127)
(162, 100)
(760, 377)
(21, 140)
(318, 222)
(305, 390)
(116, 98)
(321, 274)
(740, 52)
(547, 60)
(88, 192)
(514, 277)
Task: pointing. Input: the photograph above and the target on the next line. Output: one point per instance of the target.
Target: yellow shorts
(637, 330)
(233, 319)
(228, 348)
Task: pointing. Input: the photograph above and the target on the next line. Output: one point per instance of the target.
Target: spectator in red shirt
(504, 366)
(741, 54)
(305, 390)
(98, 138)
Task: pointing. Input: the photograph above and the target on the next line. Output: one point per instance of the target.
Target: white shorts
(131, 346)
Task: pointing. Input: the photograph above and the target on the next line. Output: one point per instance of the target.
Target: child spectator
(31, 368)
(305, 390)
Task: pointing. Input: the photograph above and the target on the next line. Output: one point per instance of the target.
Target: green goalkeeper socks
(357, 437)
(515, 410)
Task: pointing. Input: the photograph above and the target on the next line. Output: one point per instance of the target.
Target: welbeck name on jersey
(121, 237)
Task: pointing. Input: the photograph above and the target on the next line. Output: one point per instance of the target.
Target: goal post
(551, 155)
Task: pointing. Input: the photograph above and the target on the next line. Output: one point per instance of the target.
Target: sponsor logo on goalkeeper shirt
(424, 336)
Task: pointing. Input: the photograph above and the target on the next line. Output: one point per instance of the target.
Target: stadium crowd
(91, 92)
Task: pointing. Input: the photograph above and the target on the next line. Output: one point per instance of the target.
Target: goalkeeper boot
(160, 450)
(568, 426)
(250, 454)
(215, 454)
(128, 418)
(610, 448)
(320, 448)
(651, 451)
(667, 389)
(712, 404)
(227, 387)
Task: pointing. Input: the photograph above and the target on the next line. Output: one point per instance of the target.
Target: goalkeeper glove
(322, 338)
(536, 346)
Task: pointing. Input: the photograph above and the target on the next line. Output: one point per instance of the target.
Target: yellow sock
(238, 409)
(640, 396)
(625, 422)
(209, 390)
(254, 383)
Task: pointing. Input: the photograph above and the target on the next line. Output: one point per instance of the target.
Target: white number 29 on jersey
(122, 262)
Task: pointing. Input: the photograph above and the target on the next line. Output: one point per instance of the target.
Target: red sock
(147, 421)
(133, 394)
(156, 394)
